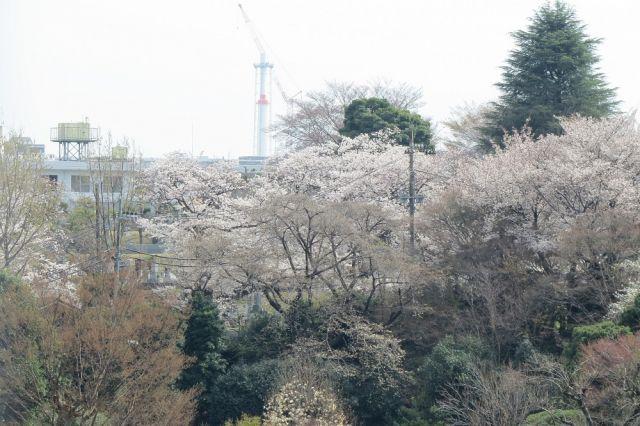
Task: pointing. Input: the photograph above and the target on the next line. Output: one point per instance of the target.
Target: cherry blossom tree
(544, 219)
(195, 206)
(29, 204)
(323, 219)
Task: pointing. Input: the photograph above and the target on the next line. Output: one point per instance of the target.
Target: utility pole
(96, 195)
(118, 234)
(412, 196)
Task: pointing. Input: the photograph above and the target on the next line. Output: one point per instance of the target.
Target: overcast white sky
(150, 69)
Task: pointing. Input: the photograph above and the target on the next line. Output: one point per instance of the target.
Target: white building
(72, 169)
(72, 176)
(251, 165)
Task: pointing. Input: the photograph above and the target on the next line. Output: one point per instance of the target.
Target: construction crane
(262, 115)
(262, 51)
(254, 32)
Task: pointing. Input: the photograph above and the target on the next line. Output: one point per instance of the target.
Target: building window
(80, 183)
(53, 178)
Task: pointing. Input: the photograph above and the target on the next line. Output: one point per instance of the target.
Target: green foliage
(448, 364)
(371, 115)
(302, 319)
(600, 330)
(7, 281)
(13, 294)
(262, 337)
(81, 215)
(556, 418)
(631, 316)
(203, 341)
(550, 321)
(266, 336)
(553, 72)
(371, 403)
(253, 352)
(589, 333)
(366, 362)
(243, 389)
(523, 352)
(245, 420)
(408, 416)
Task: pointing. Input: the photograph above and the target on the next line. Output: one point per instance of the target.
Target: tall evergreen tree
(203, 341)
(552, 72)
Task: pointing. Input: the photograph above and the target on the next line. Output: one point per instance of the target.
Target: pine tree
(552, 72)
(203, 341)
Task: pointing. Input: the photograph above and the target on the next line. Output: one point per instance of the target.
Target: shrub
(302, 319)
(7, 281)
(448, 364)
(243, 389)
(262, 337)
(556, 418)
(610, 370)
(408, 416)
(368, 361)
(299, 402)
(600, 330)
(245, 420)
(493, 397)
(631, 316)
(589, 333)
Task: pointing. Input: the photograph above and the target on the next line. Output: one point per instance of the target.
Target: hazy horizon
(151, 71)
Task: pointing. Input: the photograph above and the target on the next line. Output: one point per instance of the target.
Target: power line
(412, 197)
(160, 256)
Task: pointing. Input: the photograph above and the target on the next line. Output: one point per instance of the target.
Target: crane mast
(262, 115)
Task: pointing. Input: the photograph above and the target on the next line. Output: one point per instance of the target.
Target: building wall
(63, 170)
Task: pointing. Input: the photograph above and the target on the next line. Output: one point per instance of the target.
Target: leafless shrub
(490, 397)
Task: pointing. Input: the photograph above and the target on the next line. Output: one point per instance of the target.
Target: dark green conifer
(552, 72)
(203, 341)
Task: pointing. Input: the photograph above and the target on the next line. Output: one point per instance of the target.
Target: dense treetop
(371, 115)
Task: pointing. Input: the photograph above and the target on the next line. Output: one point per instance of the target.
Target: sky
(178, 75)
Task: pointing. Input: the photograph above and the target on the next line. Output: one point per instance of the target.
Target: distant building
(72, 168)
(251, 165)
(75, 169)
(28, 144)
